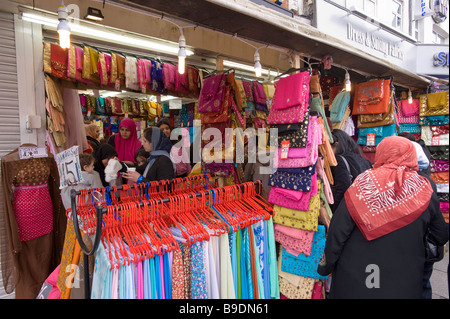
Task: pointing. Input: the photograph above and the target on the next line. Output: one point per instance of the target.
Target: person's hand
(131, 176)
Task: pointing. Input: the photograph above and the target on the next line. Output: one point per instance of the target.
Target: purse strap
(348, 167)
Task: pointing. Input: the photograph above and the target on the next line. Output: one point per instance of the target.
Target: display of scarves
(306, 266)
(143, 74)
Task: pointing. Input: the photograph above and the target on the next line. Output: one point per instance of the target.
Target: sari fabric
(371, 97)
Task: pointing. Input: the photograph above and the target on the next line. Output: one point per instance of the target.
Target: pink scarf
(126, 149)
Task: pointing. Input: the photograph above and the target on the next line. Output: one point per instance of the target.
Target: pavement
(439, 281)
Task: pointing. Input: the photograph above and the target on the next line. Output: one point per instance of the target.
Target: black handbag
(433, 253)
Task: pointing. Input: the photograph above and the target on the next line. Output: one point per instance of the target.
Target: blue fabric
(434, 120)
(306, 266)
(337, 108)
(379, 131)
(300, 181)
(409, 127)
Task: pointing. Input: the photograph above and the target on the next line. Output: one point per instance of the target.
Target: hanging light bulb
(410, 98)
(348, 84)
(181, 54)
(258, 68)
(63, 27)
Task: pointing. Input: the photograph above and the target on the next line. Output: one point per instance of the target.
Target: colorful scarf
(392, 194)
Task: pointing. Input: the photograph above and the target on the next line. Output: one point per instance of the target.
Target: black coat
(161, 169)
(397, 258)
(341, 176)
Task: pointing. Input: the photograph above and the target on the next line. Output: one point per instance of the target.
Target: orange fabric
(371, 97)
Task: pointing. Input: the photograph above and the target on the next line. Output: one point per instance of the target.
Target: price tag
(126, 114)
(284, 149)
(69, 167)
(117, 84)
(32, 152)
(88, 113)
(435, 140)
(370, 139)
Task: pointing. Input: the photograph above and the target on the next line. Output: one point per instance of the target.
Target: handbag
(433, 253)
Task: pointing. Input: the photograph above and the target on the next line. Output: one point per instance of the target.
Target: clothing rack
(100, 210)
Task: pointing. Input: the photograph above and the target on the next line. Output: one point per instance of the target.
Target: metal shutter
(9, 105)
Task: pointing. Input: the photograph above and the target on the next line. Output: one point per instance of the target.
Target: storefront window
(366, 6)
(397, 8)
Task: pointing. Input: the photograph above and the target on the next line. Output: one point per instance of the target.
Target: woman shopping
(375, 245)
(159, 164)
(103, 156)
(93, 135)
(126, 142)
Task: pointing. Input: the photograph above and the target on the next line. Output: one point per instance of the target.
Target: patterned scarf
(392, 194)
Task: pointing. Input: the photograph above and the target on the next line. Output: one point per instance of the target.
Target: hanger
(291, 70)
(219, 71)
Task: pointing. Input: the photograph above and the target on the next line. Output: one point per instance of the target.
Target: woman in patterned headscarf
(375, 245)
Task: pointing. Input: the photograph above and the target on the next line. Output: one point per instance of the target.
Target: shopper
(159, 164)
(375, 244)
(141, 160)
(93, 135)
(91, 179)
(126, 142)
(350, 163)
(103, 155)
(182, 160)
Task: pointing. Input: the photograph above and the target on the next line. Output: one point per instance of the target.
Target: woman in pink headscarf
(126, 142)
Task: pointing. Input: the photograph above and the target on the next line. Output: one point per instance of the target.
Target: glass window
(397, 8)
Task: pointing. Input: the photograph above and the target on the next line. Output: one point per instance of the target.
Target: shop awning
(260, 24)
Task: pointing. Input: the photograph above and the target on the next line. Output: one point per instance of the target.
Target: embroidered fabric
(212, 94)
(294, 181)
(434, 104)
(437, 166)
(291, 91)
(427, 137)
(297, 134)
(379, 131)
(306, 266)
(297, 200)
(407, 109)
(295, 241)
(439, 152)
(434, 120)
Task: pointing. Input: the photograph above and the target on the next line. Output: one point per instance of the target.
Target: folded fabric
(410, 128)
(437, 166)
(294, 181)
(306, 266)
(439, 152)
(307, 220)
(440, 177)
(442, 187)
(316, 106)
(291, 91)
(295, 114)
(295, 241)
(311, 148)
(371, 97)
(379, 131)
(339, 105)
(434, 104)
(434, 120)
(297, 133)
(293, 286)
(379, 119)
(297, 200)
(429, 139)
(444, 207)
(408, 109)
(439, 129)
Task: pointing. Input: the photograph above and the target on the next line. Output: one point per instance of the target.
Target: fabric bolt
(295, 241)
(295, 181)
(306, 266)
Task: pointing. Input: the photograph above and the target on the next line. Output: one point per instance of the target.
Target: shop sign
(374, 41)
(69, 168)
(441, 59)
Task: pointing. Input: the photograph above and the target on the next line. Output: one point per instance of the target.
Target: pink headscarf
(126, 149)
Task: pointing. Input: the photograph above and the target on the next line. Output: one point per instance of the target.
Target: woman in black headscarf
(103, 155)
(159, 164)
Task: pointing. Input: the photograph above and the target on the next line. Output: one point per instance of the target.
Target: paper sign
(32, 152)
(69, 167)
(175, 104)
(370, 139)
(284, 149)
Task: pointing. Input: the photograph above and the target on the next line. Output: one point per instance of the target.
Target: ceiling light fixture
(181, 53)
(94, 14)
(410, 98)
(258, 68)
(348, 84)
(63, 27)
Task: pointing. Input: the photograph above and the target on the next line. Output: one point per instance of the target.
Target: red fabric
(392, 194)
(126, 149)
(33, 210)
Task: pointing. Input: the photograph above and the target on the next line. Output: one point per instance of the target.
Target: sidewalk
(439, 282)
